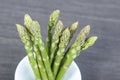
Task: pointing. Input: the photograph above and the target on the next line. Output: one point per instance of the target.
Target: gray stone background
(100, 62)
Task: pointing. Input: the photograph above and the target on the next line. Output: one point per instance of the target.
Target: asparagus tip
(76, 23)
(66, 30)
(18, 27)
(94, 38)
(27, 16)
(89, 42)
(87, 27)
(54, 15)
(27, 20)
(57, 11)
(85, 31)
(74, 26)
(60, 22)
(66, 33)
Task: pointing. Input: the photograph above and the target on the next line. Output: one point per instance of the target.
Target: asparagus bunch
(74, 50)
(28, 46)
(34, 28)
(51, 62)
(64, 40)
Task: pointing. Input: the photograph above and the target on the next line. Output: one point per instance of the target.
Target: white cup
(24, 71)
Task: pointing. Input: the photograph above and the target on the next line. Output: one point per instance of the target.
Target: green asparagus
(73, 51)
(51, 24)
(28, 46)
(55, 39)
(35, 31)
(33, 28)
(62, 46)
(50, 62)
(72, 29)
(68, 59)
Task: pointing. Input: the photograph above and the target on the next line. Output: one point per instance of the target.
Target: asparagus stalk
(63, 43)
(40, 62)
(46, 60)
(35, 31)
(28, 46)
(51, 24)
(55, 39)
(73, 51)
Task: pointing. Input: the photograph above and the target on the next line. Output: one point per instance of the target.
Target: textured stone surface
(100, 62)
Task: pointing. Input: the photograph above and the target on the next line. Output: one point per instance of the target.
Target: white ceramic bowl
(24, 71)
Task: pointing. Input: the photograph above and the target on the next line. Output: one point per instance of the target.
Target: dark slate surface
(100, 62)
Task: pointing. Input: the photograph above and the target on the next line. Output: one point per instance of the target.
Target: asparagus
(58, 58)
(72, 29)
(63, 43)
(55, 39)
(35, 31)
(51, 24)
(73, 51)
(28, 46)
(89, 42)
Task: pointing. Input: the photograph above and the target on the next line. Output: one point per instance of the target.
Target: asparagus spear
(63, 43)
(52, 22)
(73, 51)
(55, 39)
(35, 31)
(45, 59)
(28, 46)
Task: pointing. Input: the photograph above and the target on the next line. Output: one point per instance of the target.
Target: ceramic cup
(24, 71)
